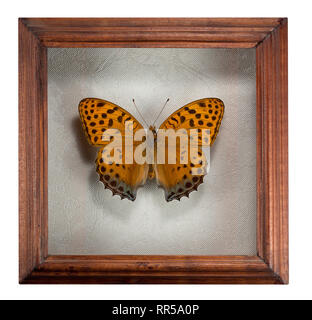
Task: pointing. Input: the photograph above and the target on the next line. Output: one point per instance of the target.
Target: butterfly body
(151, 168)
(177, 179)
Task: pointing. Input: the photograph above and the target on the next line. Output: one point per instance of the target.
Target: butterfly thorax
(153, 129)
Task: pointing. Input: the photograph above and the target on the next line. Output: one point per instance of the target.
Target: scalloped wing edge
(126, 193)
(171, 195)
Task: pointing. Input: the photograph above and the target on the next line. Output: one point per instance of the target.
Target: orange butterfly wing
(122, 179)
(97, 116)
(179, 179)
(202, 114)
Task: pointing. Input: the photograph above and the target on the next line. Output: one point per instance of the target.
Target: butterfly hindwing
(181, 179)
(122, 179)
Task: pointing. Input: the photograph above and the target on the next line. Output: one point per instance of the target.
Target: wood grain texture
(32, 151)
(150, 32)
(153, 269)
(269, 36)
(272, 153)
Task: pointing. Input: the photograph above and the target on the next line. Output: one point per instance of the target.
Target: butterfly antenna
(139, 113)
(161, 111)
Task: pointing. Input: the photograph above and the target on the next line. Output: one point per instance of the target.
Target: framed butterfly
(178, 179)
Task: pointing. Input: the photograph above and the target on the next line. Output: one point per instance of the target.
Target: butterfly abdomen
(151, 172)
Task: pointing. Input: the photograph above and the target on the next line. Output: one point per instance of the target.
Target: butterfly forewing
(98, 115)
(204, 114)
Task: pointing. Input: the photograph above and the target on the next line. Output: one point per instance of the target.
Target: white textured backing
(219, 219)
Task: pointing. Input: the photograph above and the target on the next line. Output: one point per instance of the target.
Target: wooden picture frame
(268, 36)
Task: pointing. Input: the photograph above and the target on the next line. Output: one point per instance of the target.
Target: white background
(300, 115)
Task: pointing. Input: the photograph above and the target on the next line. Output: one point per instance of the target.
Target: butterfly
(177, 179)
